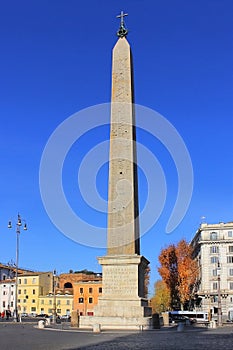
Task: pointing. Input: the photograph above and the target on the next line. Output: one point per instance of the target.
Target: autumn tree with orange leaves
(179, 272)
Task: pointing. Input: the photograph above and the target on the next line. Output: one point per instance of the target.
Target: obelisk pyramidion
(123, 303)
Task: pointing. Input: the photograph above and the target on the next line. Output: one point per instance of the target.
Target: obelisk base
(122, 305)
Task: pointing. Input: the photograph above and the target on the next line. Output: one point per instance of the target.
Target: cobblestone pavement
(15, 336)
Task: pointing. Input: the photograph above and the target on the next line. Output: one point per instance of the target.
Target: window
(67, 302)
(33, 309)
(59, 302)
(33, 291)
(230, 234)
(80, 300)
(230, 249)
(215, 286)
(12, 293)
(90, 290)
(81, 290)
(100, 289)
(213, 236)
(230, 259)
(25, 291)
(25, 281)
(33, 301)
(12, 303)
(3, 304)
(58, 311)
(4, 293)
(68, 285)
(42, 302)
(19, 281)
(215, 272)
(214, 249)
(214, 259)
(24, 300)
(231, 285)
(90, 300)
(34, 281)
(50, 302)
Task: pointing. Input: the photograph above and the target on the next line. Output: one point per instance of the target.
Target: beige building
(213, 249)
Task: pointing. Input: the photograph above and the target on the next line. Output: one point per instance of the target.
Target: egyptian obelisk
(123, 303)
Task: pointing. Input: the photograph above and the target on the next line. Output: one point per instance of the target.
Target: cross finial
(122, 30)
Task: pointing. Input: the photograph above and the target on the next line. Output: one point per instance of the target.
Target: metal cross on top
(122, 30)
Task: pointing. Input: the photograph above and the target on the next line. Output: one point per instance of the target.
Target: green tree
(161, 300)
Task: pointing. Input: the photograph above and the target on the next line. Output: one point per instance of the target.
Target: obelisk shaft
(123, 226)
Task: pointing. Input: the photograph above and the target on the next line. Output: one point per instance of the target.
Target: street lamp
(54, 297)
(18, 225)
(219, 297)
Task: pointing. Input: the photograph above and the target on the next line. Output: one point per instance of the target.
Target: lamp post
(219, 297)
(54, 297)
(18, 226)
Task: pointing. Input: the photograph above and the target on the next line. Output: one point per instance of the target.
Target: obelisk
(123, 303)
(123, 228)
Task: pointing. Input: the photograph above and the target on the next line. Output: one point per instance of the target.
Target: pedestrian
(3, 314)
(8, 313)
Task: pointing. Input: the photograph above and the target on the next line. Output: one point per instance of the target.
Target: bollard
(96, 328)
(41, 324)
(180, 327)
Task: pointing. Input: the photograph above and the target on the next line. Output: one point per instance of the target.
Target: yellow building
(62, 303)
(30, 287)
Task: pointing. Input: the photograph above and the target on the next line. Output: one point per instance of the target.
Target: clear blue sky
(56, 60)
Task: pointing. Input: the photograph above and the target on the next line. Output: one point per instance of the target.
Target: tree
(161, 300)
(146, 281)
(178, 271)
(169, 272)
(187, 271)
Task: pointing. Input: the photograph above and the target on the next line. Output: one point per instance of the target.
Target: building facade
(7, 295)
(30, 287)
(86, 294)
(213, 250)
(62, 303)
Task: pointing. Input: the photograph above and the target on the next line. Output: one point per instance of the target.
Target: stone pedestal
(122, 305)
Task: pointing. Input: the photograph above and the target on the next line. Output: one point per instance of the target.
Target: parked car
(58, 318)
(42, 315)
(24, 314)
(66, 317)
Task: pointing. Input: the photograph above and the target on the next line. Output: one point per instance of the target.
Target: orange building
(86, 294)
(85, 287)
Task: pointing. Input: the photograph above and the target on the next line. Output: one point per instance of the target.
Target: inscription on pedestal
(120, 281)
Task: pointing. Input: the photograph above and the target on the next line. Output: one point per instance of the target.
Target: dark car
(42, 315)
